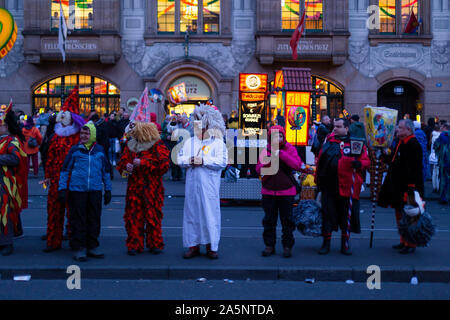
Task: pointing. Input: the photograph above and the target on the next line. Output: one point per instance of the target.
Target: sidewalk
(239, 250)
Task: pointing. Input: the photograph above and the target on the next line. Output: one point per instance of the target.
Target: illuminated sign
(252, 82)
(245, 96)
(297, 125)
(297, 99)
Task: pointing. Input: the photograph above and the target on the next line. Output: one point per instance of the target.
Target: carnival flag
(62, 33)
(142, 110)
(412, 24)
(297, 35)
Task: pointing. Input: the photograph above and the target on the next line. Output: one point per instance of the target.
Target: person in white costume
(204, 156)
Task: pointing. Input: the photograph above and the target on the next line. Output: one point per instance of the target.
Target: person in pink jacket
(278, 190)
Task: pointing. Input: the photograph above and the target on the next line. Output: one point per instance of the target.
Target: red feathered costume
(60, 144)
(145, 194)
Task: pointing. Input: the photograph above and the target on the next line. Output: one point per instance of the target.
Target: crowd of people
(79, 155)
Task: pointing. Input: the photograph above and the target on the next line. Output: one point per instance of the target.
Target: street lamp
(186, 42)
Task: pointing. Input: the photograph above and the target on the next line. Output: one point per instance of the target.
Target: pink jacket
(288, 156)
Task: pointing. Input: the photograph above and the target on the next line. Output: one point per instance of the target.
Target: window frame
(423, 36)
(312, 31)
(74, 30)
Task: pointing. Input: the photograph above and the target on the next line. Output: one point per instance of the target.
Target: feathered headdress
(211, 118)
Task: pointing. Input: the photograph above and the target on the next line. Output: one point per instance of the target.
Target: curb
(357, 274)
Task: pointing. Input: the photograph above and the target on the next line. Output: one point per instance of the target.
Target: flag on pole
(62, 33)
(142, 110)
(412, 24)
(297, 35)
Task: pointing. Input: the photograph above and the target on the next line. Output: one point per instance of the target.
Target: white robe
(201, 216)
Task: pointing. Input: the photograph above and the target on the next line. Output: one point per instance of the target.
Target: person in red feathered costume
(67, 134)
(144, 161)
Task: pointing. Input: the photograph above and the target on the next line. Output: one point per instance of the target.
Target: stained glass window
(78, 13)
(290, 14)
(211, 16)
(104, 99)
(188, 15)
(166, 16)
(391, 14)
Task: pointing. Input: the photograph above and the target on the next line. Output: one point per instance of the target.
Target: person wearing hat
(10, 191)
(204, 156)
(33, 141)
(404, 176)
(87, 166)
(144, 161)
(67, 134)
(356, 127)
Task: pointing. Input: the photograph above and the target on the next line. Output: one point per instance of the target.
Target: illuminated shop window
(94, 93)
(211, 16)
(393, 12)
(188, 16)
(166, 16)
(78, 14)
(290, 14)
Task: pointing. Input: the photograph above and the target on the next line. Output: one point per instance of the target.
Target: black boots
(325, 249)
(344, 250)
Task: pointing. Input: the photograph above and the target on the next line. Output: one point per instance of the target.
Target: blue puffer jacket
(88, 169)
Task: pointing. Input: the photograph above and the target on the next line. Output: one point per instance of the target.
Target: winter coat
(422, 138)
(433, 156)
(88, 169)
(153, 119)
(103, 135)
(281, 183)
(405, 170)
(31, 133)
(335, 173)
(357, 130)
(442, 149)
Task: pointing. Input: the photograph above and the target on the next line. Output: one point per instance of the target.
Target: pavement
(239, 250)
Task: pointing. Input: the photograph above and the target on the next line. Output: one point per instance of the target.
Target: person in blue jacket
(85, 172)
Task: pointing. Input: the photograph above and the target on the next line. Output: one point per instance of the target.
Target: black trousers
(335, 213)
(272, 206)
(85, 209)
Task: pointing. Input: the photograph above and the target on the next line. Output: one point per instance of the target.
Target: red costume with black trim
(65, 137)
(145, 195)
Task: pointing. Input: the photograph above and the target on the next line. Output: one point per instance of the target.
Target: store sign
(297, 125)
(251, 117)
(252, 82)
(297, 98)
(196, 88)
(72, 45)
(305, 47)
(252, 96)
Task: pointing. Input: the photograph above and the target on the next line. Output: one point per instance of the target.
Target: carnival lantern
(380, 127)
(8, 32)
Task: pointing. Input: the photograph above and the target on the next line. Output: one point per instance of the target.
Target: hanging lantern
(8, 32)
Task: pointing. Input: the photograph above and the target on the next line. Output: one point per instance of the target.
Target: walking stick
(349, 216)
(375, 191)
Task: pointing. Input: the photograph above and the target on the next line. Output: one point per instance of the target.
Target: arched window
(95, 94)
(328, 99)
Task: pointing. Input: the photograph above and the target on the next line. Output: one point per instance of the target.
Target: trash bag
(418, 229)
(231, 174)
(307, 217)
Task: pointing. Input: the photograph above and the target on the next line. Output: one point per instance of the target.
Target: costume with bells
(67, 134)
(201, 216)
(145, 190)
(11, 201)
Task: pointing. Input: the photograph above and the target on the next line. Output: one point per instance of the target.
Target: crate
(308, 193)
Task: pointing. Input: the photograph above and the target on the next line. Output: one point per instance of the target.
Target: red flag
(297, 35)
(412, 24)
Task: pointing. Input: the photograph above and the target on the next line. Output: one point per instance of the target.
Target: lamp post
(186, 42)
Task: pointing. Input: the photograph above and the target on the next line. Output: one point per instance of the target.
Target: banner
(251, 117)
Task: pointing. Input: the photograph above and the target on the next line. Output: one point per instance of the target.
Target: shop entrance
(403, 97)
(95, 94)
(197, 91)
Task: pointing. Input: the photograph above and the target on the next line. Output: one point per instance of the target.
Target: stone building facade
(124, 49)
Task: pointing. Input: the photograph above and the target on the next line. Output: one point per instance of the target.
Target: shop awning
(293, 79)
